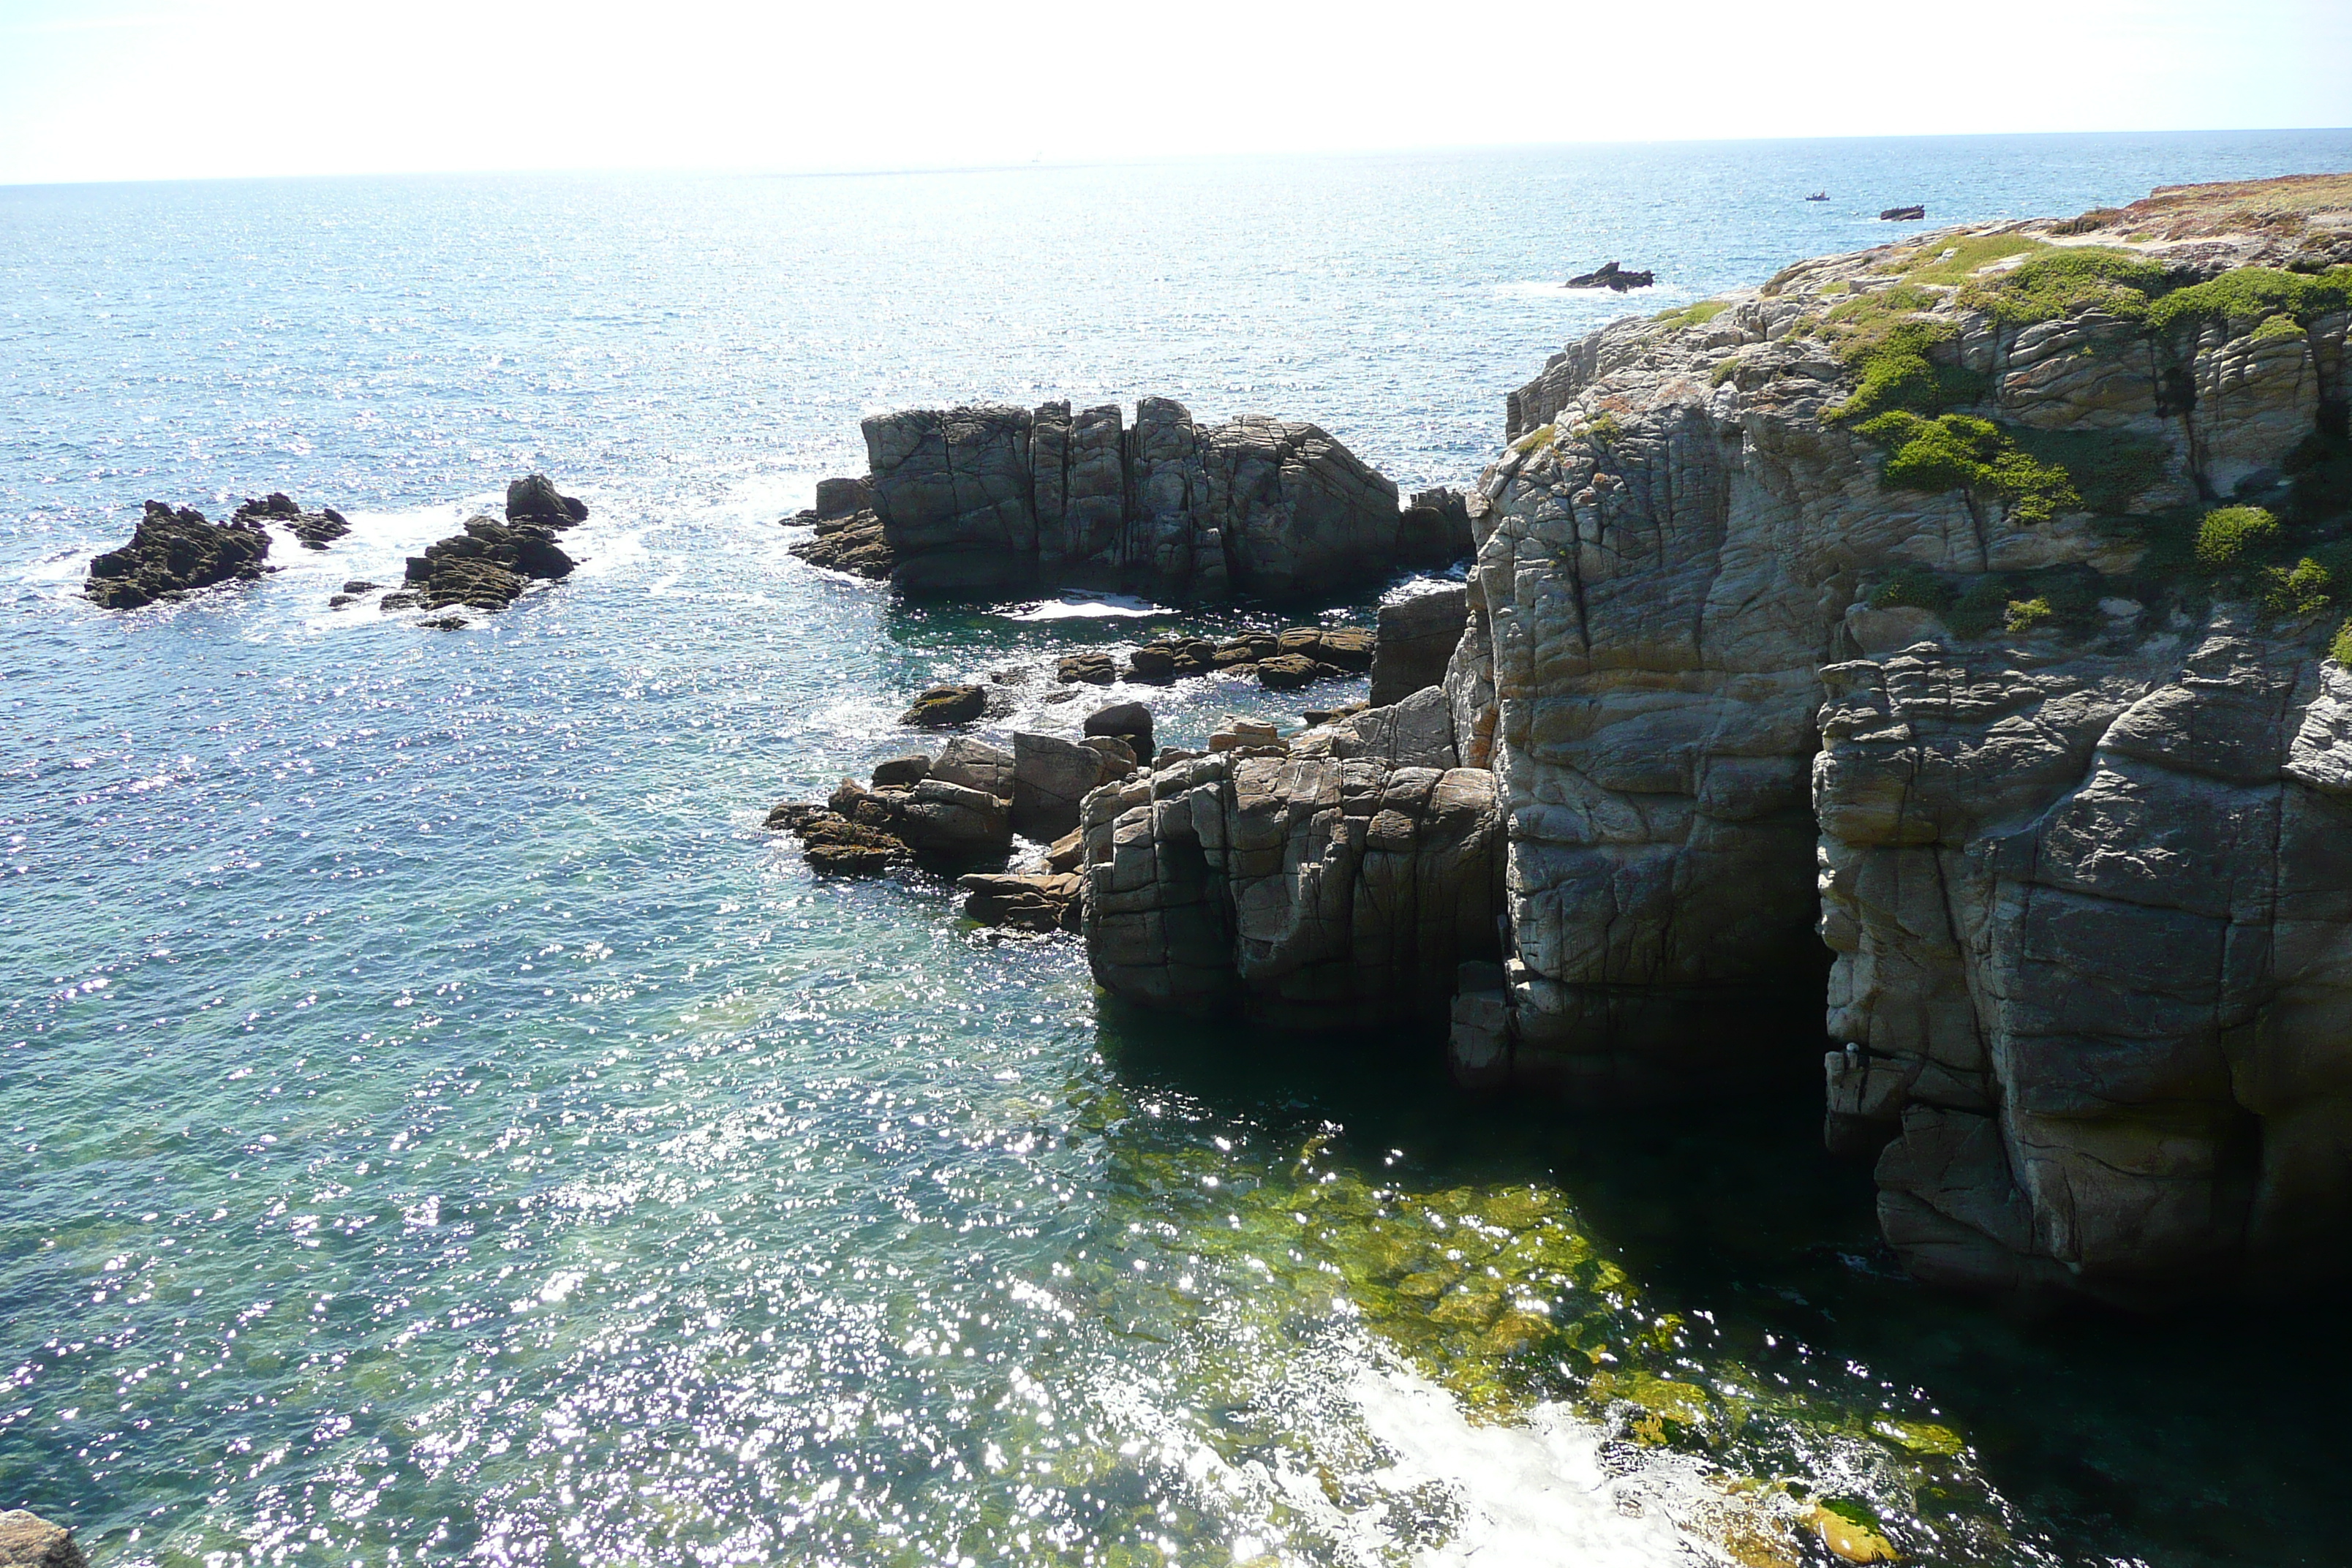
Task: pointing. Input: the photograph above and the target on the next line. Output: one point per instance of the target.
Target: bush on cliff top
(2340, 650)
(2305, 590)
(2069, 281)
(1696, 315)
(2247, 295)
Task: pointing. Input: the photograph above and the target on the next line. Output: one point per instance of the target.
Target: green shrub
(1968, 256)
(1955, 451)
(2301, 592)
(2111, 469)
(2230, 537)
(2274, 327)
(2340, 650)
(2247, 295)
(1696, 315)
(1983, 606)
(1912, 588)
(2068, 281)
(2025, 615)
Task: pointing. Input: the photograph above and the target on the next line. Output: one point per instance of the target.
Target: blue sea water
(440, 1125)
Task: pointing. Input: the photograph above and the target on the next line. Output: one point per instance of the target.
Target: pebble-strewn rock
(2083, 885)
(174, 553)
(993, 500)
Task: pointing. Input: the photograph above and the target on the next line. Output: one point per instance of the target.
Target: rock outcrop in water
(314, 530)
(487, 566)
(999, 499)
(174, 552)
(1958, 613)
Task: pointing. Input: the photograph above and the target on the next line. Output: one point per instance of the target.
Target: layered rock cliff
(1943, 629)
(995, 499)
(1896, 601)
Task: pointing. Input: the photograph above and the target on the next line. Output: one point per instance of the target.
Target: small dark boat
(1819, 196)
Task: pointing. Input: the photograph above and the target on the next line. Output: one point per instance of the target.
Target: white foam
(1084, 607)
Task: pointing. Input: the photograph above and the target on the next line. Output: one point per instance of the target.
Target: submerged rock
(175, 552)
(315, 530)
(28, 1541)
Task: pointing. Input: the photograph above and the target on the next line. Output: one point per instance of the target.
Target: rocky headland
(1949, 633)
(994, 501)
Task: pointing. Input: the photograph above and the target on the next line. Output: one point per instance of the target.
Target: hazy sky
(102, 89)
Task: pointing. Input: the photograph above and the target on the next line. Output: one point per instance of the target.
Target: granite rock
(173, 552)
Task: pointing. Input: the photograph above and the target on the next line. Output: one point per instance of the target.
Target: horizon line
(1041, 163)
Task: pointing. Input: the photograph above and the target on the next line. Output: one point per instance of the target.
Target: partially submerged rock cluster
(997, 499)
(1279, 661)
(487, 566)
(174, 552)
(315, 530)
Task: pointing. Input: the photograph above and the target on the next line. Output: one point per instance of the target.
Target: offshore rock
(28, 1541)
(1325, 884)
(314, 530)
(484, 568)
(943, 705)
(995, 499)
(2062, 814)
(173, 552)
(1417, 638)
(853, 543)
(533, 499)
(1608, 275)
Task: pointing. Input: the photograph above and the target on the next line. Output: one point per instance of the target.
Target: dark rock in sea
(1289, 671)
(1171, 658)
(445, 623)
(1042, 901)
(1608, 275)
(995, 499)
(486, 567)
(854, 544)
(533, 499)
(338, 601)
(400, 601)
(357, 585)
(1417, 638)
(174, 553)
(833, 843)
(1091, 668)
(314, 529)
(1129, 722)
(28, 1541)
(1903, 214)
(942, 705)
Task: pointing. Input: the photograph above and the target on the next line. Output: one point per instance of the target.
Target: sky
(118, 90)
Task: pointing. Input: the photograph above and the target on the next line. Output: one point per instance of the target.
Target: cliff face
(999, 499)
(1881, 610)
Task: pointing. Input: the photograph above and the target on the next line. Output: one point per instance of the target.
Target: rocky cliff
(995, 499)
(1943, 626)
(1959, 606)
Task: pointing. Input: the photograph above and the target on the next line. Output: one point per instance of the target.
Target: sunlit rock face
(1859, 623)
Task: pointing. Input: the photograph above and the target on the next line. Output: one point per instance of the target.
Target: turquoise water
(440, 1124)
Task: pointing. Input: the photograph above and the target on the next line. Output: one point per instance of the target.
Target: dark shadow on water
(2214, 1437)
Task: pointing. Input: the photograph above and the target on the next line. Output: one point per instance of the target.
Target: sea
(437, 1123)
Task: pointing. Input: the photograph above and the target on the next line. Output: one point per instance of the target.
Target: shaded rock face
(175, 552)
(315, 530)
(2082, 884)
(1417, 638)
(533, 499)
(997, 498)
(28, 1541)
(1294, 883)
